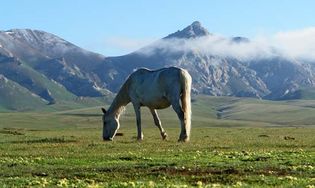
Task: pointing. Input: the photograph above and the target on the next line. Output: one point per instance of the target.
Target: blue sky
(116, 27)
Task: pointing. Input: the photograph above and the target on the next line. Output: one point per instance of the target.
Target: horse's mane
(121, 100)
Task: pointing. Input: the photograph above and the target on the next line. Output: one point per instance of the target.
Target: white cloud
(212, 45)
(296, 44)
(299, 44)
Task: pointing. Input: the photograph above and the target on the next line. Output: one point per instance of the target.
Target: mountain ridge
(39, 61)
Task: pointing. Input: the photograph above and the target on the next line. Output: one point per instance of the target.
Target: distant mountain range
(40, 67)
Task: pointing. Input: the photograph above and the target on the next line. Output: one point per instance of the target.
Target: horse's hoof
(183, 139)
(108, 139)
(164, 136)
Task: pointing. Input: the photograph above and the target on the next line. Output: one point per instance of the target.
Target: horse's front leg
(157, 122)
(138, 116)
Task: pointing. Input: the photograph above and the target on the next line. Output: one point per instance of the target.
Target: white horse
(157, 90)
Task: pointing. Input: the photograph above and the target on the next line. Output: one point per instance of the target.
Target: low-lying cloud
(299, 44)
(211, 45)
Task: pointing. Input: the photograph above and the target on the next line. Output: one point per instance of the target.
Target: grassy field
(235, 143)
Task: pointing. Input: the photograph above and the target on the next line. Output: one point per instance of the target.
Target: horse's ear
(103, 110)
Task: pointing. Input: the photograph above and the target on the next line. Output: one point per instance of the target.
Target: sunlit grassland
(227, 148)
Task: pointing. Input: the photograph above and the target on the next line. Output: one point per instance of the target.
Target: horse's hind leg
(157, 122)
(183, 137)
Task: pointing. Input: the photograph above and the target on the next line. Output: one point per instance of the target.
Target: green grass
(15, 97)
(65, 149)
(276, 113)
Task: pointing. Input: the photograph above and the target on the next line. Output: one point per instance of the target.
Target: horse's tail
(186, 99)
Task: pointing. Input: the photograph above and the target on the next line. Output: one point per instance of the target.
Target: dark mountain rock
(283, 76)
(192, 31)
(70, 76)
(240, 40)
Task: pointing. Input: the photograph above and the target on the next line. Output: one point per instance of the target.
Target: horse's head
(110, 126)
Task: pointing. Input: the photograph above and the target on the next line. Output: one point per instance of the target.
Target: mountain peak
(194, 30)
(31, 36)
(196, 24)
(240, 40)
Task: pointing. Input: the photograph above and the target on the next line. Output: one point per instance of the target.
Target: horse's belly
(157, 104)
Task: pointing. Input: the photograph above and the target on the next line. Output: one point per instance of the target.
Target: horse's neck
(120, 101)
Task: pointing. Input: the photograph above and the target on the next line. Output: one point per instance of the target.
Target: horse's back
(153, 87)
(159, 78)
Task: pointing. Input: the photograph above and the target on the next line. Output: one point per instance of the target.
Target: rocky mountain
(48, 69)
(270, 77)
(52, 57)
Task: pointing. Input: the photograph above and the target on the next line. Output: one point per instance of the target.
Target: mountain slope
(26, 44)
(34, 81)
(43, 51)
(283, 76)
(15, 97)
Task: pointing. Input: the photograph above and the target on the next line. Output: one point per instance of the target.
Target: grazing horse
(156, 89)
